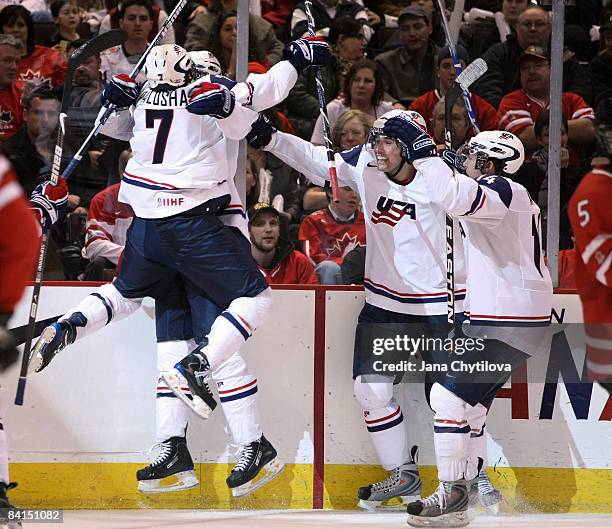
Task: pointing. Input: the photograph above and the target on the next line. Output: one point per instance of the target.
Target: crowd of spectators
(386, 54)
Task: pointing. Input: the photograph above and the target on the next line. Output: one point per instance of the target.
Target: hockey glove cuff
(261, 132)
(211, 99)
(122, 91)
(309, 51)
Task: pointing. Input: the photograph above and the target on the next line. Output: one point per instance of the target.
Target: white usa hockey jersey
(405, 268)
(508, 284)
(180, 160)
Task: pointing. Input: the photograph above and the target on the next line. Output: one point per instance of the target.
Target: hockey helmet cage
(168, 66)
(494, 144)
(204, 63)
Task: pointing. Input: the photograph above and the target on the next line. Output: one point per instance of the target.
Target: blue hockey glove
(450, 157)
(122, 91)
(211, 99)
(309, 51)
(49, 202)
(418, 144)
(261, 132)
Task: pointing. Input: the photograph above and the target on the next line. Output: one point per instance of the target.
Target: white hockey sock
(101, 307)
(238, 396)
(4, 463)
(451, 433)
(234, 326)
(477, 444)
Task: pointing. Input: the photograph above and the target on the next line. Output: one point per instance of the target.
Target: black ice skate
(52, 340)
(172, 470)
(258, 464)
(6, 506)
(192, 370)
(446, 507)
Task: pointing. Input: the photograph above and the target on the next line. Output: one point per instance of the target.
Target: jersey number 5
(584, 215)
(162, 132)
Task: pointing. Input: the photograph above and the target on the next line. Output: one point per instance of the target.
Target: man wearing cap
(600, 68)
(486, 115)
(274, 253)
(519, 109)
(503, 76)
(409, 70)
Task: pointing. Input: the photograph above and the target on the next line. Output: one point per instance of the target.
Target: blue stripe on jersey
(352, 155)
(248, 393)
(432, 299)
(505, 323)
(498, 184)
(109, 309)
(452, 429)
(228, 83)
(232, 212)
(387, 425)
(229, 317)
(160, 394)
(476, 201)
(138, 183)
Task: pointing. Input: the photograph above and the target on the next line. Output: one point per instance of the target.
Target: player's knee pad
(233, 367)
(170, 352)
(116, 305)
(373, 395)
(476, 417)
(247, 314)
(446, 404)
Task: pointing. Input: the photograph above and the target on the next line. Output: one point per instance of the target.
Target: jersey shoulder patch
(352, 155)
(500, 185)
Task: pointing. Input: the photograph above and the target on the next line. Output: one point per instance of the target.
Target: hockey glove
(261, 132)
(450, 157)
(418, 144)
(122, 91)
(211, 99)
(8, 348)
(49, 202)
(309, 51)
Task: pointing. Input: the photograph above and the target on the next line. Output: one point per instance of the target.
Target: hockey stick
(76, 159)
(331, 164)
(458, 69)
(473, 71)
(92, 47)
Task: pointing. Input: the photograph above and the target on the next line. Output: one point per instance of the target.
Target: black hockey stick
(90, 48)
(76, 159)
(331, 163)
(473, 71)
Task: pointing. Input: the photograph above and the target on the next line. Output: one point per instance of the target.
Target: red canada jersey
(11, 111)
(326, 239)
(295, 269)
(567, 268)
(486, 115)
(19, 239)
(44, 66)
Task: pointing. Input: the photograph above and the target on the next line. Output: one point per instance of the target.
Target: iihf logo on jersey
(162, 202)
(390, 211)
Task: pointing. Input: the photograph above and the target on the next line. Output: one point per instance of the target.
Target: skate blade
(493, 509)
(36, 359)
(180, 481)
(453, 519)
(396, 504)
(175, 382)
(268, 472)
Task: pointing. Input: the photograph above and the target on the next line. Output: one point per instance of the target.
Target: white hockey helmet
(168, 66)
(377, 127)
(205, 62)
(494, 144)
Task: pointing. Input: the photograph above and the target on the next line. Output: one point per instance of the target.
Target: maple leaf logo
(344, 245)
(5, 116)
(35, 78)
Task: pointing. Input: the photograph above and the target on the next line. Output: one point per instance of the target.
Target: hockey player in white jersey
(405, 274)
(508, 300)
(201, 98)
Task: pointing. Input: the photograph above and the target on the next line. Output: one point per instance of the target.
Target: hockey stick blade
(472, 73)
(96, 45)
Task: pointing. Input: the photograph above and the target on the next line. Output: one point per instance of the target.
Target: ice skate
(401, 487)
(171, 471)
(52, 340)
(258, 464)
(192, 370)
(446, 507)
(5, 506)
(488, 496)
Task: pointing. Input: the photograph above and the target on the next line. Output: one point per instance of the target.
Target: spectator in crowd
(329, 234)
(461, 125)
(519, 109)
(277, 12)
(105, 236)
(66, 16)
(364, 90)
(39, 65)
(482, 29)
(347, 41)
(503, 76)
(261, 33)
(136, 19)
(275, 256)
(11, 112)
(325, 13)
(409, 70)
(600, 68)
(486, 115)
(112, 20)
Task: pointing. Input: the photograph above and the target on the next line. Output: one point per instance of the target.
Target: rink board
(88, 419)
